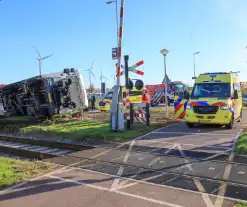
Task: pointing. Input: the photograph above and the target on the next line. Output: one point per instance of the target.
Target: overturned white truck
(50, 94)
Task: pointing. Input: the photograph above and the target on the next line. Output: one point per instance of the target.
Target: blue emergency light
(216, 73)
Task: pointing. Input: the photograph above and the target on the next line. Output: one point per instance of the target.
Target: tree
(91, 89)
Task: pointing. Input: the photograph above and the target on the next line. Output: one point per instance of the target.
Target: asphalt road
(173, 166)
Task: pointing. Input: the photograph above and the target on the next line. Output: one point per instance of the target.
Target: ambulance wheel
(230, 125)
(189, 125)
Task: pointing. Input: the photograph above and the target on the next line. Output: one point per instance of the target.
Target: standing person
(145, 96)
(92, 100)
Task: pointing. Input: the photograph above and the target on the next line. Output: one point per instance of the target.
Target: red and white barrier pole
(120, 33)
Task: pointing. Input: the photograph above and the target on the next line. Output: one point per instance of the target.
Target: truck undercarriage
(44, 96)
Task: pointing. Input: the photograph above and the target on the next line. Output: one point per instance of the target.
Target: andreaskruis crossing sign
(132, 68)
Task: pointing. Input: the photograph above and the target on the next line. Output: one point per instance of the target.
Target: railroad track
(80, 157)
(77, 146)
(35, 148)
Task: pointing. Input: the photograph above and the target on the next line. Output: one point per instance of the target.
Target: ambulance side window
(236, 86)
(108, 95)
(232, 90)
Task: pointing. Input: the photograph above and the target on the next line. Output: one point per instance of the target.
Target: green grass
(241, 204)
(13, 171)
(18, 118)
(87, 130)
(241, 145)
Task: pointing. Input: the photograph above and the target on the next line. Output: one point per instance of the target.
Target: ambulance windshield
(215, 90)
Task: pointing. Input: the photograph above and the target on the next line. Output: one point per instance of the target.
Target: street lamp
(116, 2)
(164, 52)
(194, 55)
(110, 2)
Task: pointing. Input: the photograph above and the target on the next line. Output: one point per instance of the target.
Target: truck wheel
(189, 125)
(230, 125)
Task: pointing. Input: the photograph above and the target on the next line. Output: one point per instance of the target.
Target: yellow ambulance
(135, 97)
(216, 98)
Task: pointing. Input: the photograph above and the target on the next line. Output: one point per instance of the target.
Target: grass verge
(241, 204)
(241, 145)
(87, 131)
(13, 171)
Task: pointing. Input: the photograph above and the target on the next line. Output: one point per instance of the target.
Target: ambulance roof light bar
(231, 72)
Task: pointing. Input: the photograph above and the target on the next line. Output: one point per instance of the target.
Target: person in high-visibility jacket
(145, 96)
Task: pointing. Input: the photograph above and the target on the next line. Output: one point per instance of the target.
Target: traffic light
(139, 84)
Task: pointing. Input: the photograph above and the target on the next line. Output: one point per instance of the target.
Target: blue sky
(80, 31)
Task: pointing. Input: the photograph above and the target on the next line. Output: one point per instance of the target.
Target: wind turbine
(40, 59)
(102, 77)
(90, 73)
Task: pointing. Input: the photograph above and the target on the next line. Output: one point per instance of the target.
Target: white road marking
(121, 168)
(241, 172)
(200, 187)
(222, 191)
(211, 168)
(205, 197)
(195, 145)
(124, 182)
(18, 186)
(194, 133)
(146, 154)
(105, 152)
(156, 176)
(223, 187)
(117, 192)
(154, 161)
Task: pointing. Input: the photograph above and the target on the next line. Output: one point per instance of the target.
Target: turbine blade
(93, 75)
(92, 65)
(46, 57)
(37, 51)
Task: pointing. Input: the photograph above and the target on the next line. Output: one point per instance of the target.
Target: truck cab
(216, 98)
